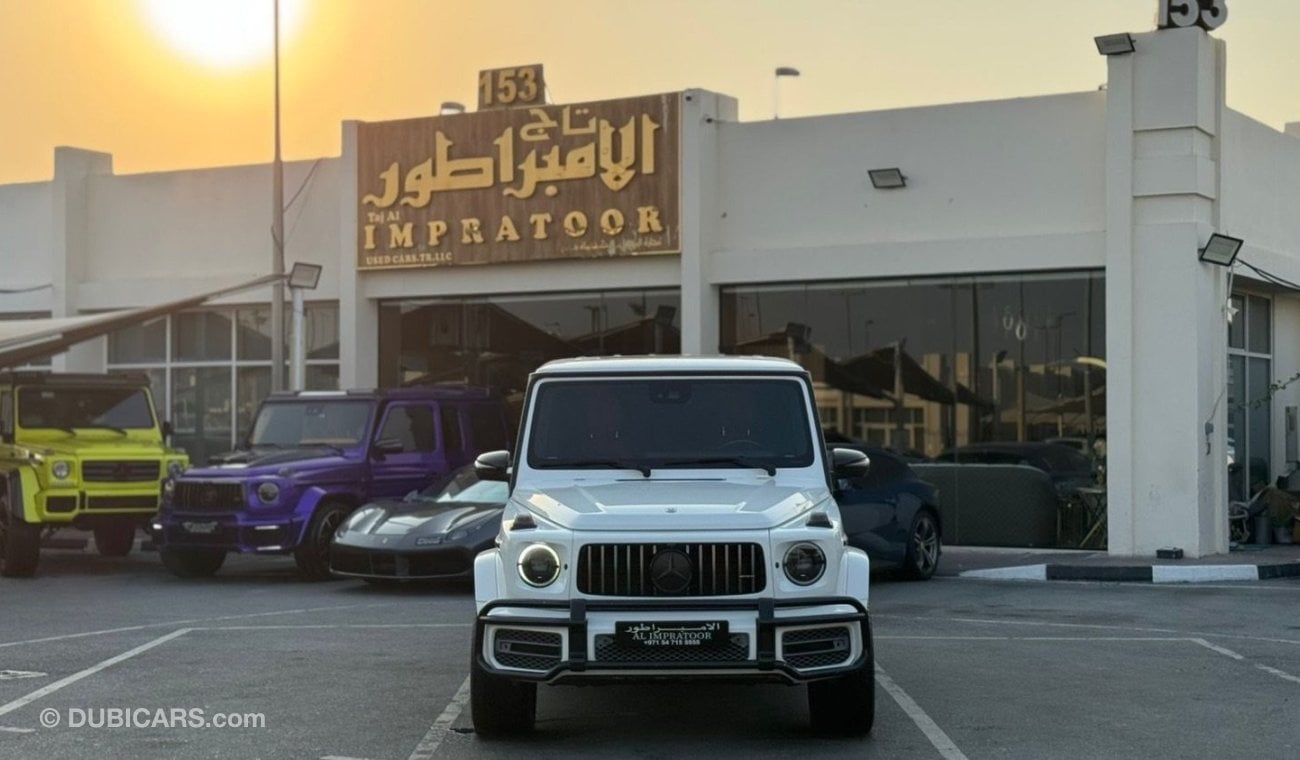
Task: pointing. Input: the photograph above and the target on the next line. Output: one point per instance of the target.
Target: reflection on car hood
(696, 505)
(402, 518)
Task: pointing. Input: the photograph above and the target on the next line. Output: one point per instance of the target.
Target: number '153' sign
(511, 88)
(1207, 14)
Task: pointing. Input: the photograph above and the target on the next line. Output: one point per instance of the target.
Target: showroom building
(990, 272)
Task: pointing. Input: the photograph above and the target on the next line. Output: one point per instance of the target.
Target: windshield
(332, 422)
(85, 407)
(670, 422)
(465, 487)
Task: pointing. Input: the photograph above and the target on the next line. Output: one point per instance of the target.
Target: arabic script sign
(586, 180)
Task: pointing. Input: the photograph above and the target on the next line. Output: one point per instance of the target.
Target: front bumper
(72, 505)
(573, 641)
(228, 532)
(443, 561)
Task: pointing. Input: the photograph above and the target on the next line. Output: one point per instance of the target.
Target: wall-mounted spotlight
(1114, 44)
(887, 179)
(450, 107)
(1221, 250)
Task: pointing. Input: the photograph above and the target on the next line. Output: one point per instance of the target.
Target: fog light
(539, 565)
(804, 564)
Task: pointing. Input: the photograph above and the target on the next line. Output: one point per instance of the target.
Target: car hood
(243, 463)
(98, 446)
(401, 518)
(677, 505)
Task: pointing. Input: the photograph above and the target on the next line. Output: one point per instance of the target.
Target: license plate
(199, 527)
(672, 635)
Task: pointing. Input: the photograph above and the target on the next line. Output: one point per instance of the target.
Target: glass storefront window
(994, 369)
(253, 333)
(201, 336)
(1250, 397)
(201, 410)
(497, 341)
(140, 344)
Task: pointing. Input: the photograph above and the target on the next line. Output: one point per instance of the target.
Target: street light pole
(277, 229)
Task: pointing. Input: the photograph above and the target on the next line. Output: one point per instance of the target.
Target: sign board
(1207, 14)
(587, 180)
(511, 87)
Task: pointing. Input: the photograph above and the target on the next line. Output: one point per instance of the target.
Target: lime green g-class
(80, 451)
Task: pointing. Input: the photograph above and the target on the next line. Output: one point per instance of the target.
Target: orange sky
(97, 74)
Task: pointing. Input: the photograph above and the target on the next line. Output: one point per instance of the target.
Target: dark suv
(310, 460)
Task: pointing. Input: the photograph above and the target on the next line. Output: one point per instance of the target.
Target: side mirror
(387, 446)
(849, 463)
(167, 429)
(493, 465)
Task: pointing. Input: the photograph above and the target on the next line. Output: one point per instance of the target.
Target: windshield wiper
(770, 469)
(336, 449)
(617, 464)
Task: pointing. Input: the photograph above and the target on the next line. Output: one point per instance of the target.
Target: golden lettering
(612, 221)
(648, 129)
(647, 220)
(399, 235)
(471, 231)
(537, 130)
(575, 224)
(370, 237)
(419, 185)
(568, 128)
(437, 228)
(506, 155)
(389, 176)
(539, 222)
(617, 172)
(507, 231)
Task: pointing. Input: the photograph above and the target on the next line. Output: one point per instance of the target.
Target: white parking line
(1098, 626)
(928, 727)
(438, 731)
(1221, 650)
(174, 623)
(90, 671)
(1229, 653)
(1279, 673)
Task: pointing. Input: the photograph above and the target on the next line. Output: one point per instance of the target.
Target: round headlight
(539, 565)
(268, 492)
(61, 470)
(804, 564)
(175, 468)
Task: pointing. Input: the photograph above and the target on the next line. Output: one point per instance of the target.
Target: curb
(1138, 573)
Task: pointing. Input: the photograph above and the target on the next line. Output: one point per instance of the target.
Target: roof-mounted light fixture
(887, 179)
(1221, 250)
(1114, 44)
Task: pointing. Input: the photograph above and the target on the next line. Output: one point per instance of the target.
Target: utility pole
(277, 230)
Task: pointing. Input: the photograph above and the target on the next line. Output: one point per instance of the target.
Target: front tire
(192, 563)
(115, 539)
(313, 555)
(846, 705)
(499, 706)
(20, 546)
(924, 546)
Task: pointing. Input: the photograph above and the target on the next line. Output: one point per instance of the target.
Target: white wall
(983, 179)
(164, 235)
(25, 227)
(1261, 193)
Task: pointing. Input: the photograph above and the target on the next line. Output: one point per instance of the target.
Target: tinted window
(411, 425)
(84, 407)
(334, 422)
(671, 422)
(451, 440)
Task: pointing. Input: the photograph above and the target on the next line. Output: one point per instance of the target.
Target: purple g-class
(311, 459)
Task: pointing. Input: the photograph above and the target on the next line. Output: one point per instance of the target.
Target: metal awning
(23, 341)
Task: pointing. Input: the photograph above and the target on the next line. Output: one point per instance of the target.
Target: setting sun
(222, 33)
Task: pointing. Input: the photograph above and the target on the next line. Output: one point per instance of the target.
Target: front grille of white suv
(671, 569)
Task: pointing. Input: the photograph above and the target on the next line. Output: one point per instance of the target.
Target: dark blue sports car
(891, 514)
(434, 533)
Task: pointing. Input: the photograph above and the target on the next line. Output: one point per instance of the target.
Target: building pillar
(701, 115)
(358, 315)
(1166, 341)
(70, 246)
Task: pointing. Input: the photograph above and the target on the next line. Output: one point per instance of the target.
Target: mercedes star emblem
(670, 571)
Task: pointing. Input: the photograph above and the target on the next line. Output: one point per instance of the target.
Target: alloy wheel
(925, 543)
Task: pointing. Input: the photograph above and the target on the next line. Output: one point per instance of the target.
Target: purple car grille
(208, 497)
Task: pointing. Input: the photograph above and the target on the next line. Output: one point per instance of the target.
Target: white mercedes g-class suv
(671, 517)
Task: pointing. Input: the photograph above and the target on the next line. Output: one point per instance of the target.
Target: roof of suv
(444, 392)
(668, 365)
